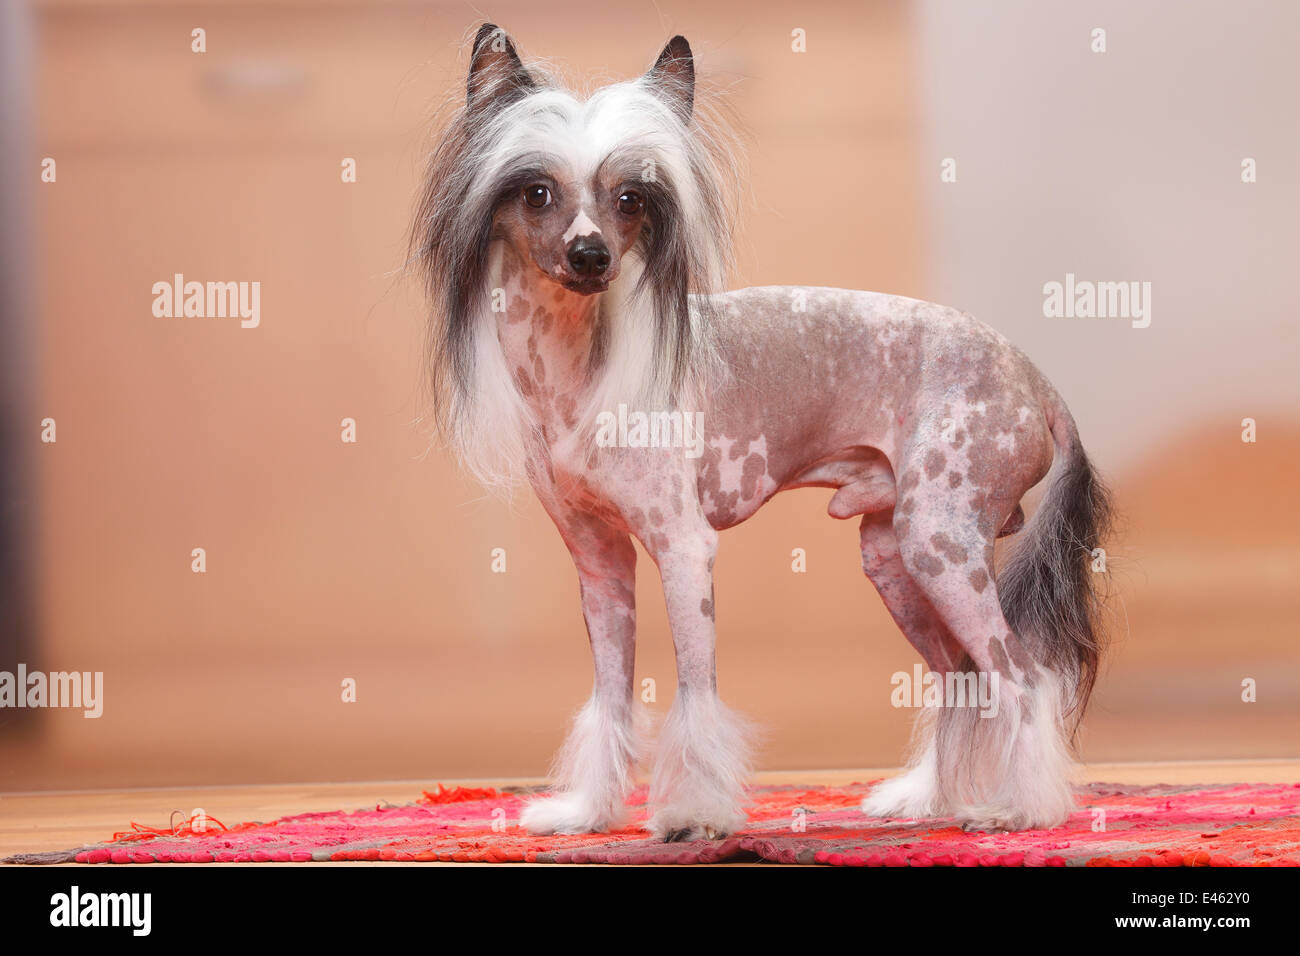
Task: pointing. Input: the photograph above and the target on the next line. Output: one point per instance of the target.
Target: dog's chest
(624, 487)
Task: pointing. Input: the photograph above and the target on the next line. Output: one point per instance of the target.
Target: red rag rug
(1115, 825)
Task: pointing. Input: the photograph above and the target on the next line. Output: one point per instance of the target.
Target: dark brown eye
(630, 203)
(537, 196)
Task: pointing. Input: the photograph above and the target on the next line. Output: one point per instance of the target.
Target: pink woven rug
(1116, 825)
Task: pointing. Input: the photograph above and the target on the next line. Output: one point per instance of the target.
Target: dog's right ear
(673, 76)
(496, 74)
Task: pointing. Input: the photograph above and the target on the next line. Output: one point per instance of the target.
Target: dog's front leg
(697, 788)
(593, 770)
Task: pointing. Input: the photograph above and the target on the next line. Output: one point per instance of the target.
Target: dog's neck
(546, 337)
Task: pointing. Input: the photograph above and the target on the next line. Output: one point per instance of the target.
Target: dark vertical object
(19, 431)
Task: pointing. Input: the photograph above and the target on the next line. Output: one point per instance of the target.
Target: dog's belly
(827, 386)
(818, 384)
(732, 490)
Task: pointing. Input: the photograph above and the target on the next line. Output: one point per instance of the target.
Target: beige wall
(1126, 165)
(1122, 165)
(371, 561)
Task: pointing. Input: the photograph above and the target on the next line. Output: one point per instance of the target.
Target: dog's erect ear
(496, 74)
(673, 76)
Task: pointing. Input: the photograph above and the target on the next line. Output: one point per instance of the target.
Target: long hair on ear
(476, 406)
(652, 343)
(655, 346)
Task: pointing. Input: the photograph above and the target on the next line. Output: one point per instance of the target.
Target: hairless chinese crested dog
(575, 249)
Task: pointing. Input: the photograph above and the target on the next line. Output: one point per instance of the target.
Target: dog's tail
(1050, 589)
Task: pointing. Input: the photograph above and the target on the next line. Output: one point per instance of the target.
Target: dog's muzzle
(588, 257)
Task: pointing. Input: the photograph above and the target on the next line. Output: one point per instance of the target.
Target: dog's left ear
(496, 74)
(673, 77)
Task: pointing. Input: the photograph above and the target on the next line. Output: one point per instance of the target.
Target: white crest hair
(652, 345)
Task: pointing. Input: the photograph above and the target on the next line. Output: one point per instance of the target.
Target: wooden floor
(33, 822)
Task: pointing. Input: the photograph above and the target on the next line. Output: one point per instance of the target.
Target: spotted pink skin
(926, 423)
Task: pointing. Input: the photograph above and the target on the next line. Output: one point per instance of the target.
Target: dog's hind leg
(1004, 766)
(593, 771)
(914, 792)
(905, 600)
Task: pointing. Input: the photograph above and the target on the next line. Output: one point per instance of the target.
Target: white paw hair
(593, 771)
(697, 791)
(914, 793)
(1011, 771)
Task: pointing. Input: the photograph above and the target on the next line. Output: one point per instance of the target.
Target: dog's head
(576, 185)
(630, 186)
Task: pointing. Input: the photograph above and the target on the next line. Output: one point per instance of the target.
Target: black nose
(588, 257)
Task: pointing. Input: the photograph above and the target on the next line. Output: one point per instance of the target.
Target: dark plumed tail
(1050, 593)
